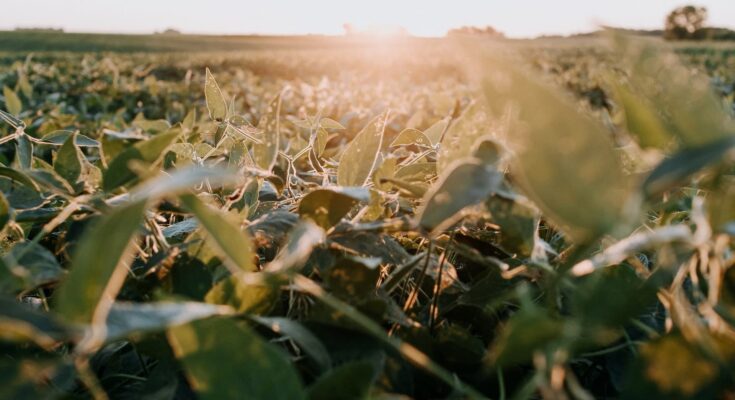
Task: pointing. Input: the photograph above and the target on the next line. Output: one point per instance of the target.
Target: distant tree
(169, 31)
(684, 22)
(476, 31)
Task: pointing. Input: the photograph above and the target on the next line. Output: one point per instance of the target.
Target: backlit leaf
(266, 153)
(563, 158)
(326, 207)
(68, 161)
(411, 136)
(147, 152)
(466, 183)
(12, 101)
(216, 103)
(233, 244)
(359, 158)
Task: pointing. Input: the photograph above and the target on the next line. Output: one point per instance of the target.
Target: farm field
(338, 218)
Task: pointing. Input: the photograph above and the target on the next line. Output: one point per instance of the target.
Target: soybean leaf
(310, 344)
(181, 181)
(563, 158)
(386, 170)
(465, 183)
(18, 176)
(460, 137)
(244, 297)
(351, 380)
(328, 123)
(246, 365)
(216, 103)
(5, 211)
(301, 241)
(529, 330)
(641, 118)
(326, 207)
(100, 264)
(119, 173)
(671, 367)
(686, 103)
(69, 161)
(435, 132)
(59, 137)
(266, 152)
(22, 323)
(32, 265)
(359, 158)
(233, 244)
(418, 172)
(24, 152)
(12, 101)
(409, 137)
(682, 165)
(518, 223)
(126, 319)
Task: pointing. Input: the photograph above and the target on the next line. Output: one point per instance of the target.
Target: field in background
(335, 217)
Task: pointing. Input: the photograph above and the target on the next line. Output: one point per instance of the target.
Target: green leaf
(612, 297)
(301, 241)
(126, 319)
(69, 161)
(677, 169)
(641, 119)
(359, 158)
(563, 158)
(435, 132)
(24, 152)
(181, 181)
(418, 172)
(225, 360)
(266, 152)
(147, 152)
(60, 137)
(12, 101)
(216, 103)
(386, 170)
(326, 207)
(22, 323)
(100, 264)
(5, 211)
(528, 331)
(461, 136)
(152, 126)
(676, 368)
(310, 344)
(32, 265)
(351, 380)
(25, 86)
(244, 297)
(689, 107)
(18, 176)
(328, 123)
(353, 277)
(190, 119)
(409, 137)
(518, 224)
(466, 183)
(233, 244)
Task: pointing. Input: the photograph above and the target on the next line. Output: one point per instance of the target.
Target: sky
(516, 18)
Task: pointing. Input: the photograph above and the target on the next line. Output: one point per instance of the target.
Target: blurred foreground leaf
(255, 370)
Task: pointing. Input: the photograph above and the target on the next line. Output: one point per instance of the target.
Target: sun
(378, 32)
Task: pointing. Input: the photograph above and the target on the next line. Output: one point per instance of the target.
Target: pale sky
(517, 18)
